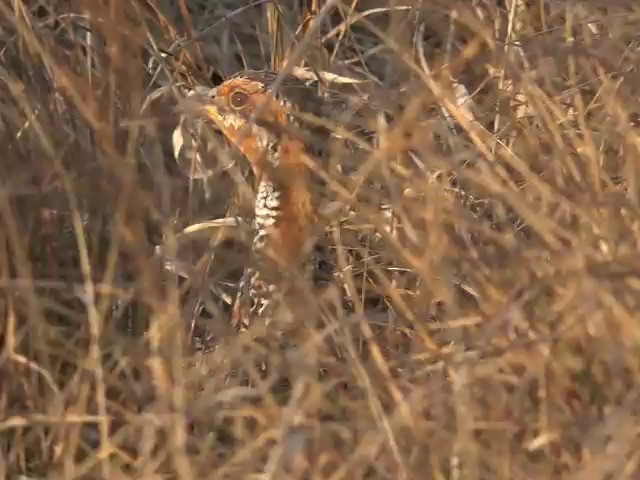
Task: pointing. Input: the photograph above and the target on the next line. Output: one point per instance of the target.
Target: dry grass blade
(277, 33)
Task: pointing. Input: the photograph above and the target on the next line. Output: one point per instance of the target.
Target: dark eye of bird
(239, 99)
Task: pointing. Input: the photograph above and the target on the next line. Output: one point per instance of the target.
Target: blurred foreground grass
(491, 324)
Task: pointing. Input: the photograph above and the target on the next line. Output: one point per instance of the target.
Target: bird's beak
(212, 105)
(203, 102)
(211, 110)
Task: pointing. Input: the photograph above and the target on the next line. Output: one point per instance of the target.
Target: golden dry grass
(487, 332)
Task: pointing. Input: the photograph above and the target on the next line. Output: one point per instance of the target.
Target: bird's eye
(239, 99)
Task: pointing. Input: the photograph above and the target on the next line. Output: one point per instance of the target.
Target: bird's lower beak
(212, 110)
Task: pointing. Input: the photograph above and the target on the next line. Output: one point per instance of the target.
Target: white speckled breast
(266, 211)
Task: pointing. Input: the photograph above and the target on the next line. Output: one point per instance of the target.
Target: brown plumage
(259, 124)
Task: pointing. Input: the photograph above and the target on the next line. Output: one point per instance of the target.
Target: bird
(258, 122)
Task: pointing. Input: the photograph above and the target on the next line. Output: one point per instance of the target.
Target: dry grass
(487, 332)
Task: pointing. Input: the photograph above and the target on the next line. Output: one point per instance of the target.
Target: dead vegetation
(482, 213)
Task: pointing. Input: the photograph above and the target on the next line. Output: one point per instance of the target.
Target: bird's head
(252, 117)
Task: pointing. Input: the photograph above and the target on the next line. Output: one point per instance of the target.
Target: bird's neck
(286, 175)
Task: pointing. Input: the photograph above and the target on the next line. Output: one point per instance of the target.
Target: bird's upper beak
(202, 101)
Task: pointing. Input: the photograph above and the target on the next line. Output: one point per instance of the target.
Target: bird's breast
(283, 220)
